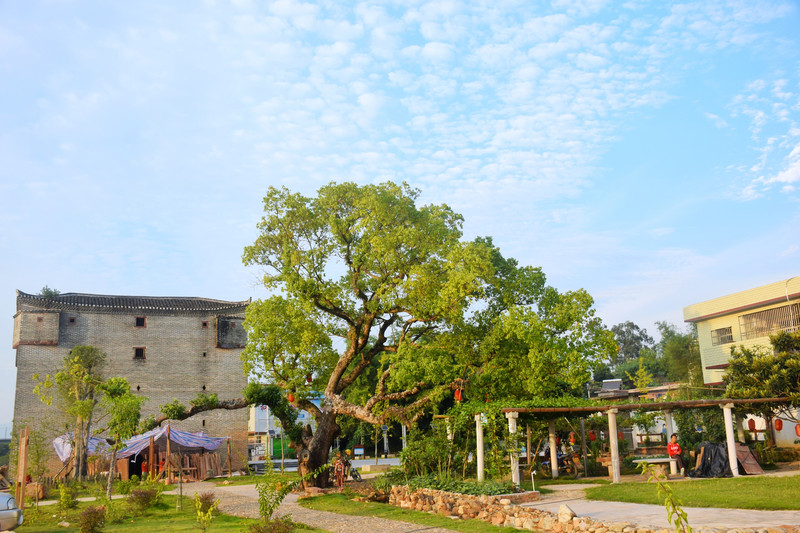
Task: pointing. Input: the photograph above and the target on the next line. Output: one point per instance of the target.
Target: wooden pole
(169, 457)
(22, 468)
(230, 467)
(152, 468)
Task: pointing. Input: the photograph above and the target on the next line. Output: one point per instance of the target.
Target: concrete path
(655, 516)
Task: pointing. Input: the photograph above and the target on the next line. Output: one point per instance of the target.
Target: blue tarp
(182, 439)
(63, 446)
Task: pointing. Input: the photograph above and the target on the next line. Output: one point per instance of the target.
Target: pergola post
(479, 445)
(512, 430)
(553, 451)
(613, 444)
(726, 413)
(669, 423)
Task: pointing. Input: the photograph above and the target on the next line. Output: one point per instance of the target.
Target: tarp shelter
(63, 446)
(171, 449)
(181, 441)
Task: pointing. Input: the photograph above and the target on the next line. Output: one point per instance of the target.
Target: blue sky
(648, 152)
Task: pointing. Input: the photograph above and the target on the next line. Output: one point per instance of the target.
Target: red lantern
(797, 429)
(290, 397)
(458, 395)
(308, 378)
(778, 424)
(592, 436)
(751, 424)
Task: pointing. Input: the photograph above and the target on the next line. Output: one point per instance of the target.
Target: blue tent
(180, 440)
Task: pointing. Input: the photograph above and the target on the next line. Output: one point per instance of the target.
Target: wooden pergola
(512, 413)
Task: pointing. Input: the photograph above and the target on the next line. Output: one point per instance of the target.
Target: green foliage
(631, 340)
(758, 372)
(67, 496)
(49, 293)
(92, 519)
(642, 379)
(78, 384)
(205, 509)
(273, 397)
(680, 354)
(675, 513)
(205, 401)
(427, 453)
(282, 524)
(449, 484)
(174, 410)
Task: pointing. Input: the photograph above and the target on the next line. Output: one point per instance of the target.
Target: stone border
(500, 511)
(497, 510)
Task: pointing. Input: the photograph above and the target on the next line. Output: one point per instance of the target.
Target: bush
(273, 525)
(66, 497)
(474, 488)
(92, 519)
(206, 500)
(123, 486)
(140, 500)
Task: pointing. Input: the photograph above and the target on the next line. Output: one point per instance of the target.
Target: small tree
(78, 386)
(124, 409)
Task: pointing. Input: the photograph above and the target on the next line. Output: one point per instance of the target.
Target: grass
(764, 493)
(340, 504)
(163, 517)
(251, 479)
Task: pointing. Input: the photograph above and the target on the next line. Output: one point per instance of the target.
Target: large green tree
(362, 273)
(631, 340)
(382, 309)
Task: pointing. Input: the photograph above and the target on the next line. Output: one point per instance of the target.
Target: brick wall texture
(182, 356)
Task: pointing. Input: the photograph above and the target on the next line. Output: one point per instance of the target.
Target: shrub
(205, 507)
(66, 497)
(92, 519)
(140, 500)
(123, 486)
(474, 488)
(206, 500)
(273, 525)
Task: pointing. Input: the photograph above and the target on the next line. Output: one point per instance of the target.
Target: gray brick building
(168, 348)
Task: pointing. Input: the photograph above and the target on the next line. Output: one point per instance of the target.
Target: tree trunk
(111, 469)
(312, 452)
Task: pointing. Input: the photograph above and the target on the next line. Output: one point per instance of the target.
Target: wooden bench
(659, 465)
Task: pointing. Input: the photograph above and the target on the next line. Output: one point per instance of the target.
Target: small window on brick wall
(39, 319)
(138, 353)
(205, 324)
(71, 321)
(141, 322)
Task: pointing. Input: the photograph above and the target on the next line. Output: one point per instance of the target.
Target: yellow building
(745, 318)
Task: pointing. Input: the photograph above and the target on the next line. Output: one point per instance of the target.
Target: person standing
(675, 452)
(339, 470)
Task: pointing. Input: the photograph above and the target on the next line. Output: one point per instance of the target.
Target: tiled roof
(75, 300)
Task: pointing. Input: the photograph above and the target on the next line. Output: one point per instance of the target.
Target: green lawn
(160, 518)
(338, 503)
(251, 479)
(766, 493)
